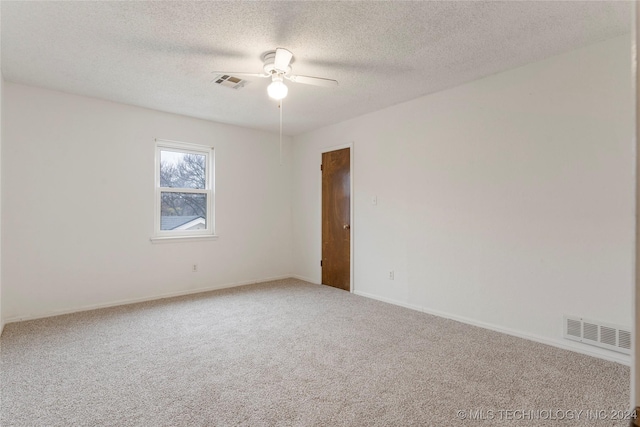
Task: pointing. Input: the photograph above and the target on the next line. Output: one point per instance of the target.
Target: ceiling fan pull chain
(280, 107)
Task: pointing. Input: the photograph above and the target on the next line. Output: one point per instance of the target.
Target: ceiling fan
(277, 65)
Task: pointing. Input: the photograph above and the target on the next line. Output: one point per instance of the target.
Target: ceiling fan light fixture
(277, 90)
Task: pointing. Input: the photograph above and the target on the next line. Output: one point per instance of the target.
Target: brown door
(336, 219)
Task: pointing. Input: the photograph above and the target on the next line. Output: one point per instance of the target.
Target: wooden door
(336, 219)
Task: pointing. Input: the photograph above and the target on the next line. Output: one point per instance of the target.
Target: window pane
(182, 170)
(183, 211)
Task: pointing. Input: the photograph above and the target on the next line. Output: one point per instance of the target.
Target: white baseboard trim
(388, 300)
(305, 279)
(596, 352)
(601, 354)
(142, 299)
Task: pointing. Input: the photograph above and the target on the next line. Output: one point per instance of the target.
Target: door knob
(346, 227)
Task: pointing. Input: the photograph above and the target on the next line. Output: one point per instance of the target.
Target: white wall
(78, 205)
(635, 367)
(506, 202)
(1, 132)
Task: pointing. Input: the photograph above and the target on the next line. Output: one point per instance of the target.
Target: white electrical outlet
(194, 268)
(391, 275)
(374, 200)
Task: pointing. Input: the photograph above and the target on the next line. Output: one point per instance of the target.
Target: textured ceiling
(160, 54)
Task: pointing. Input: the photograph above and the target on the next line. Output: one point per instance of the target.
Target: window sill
(180, 239)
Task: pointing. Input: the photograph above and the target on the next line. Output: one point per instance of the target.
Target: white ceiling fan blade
(232, 73)
(316, 81)
(283, 57)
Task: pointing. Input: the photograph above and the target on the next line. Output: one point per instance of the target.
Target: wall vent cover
(230, 81)
(605, 335)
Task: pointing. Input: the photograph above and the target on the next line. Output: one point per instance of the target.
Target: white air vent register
(605, 335)
(230, 81)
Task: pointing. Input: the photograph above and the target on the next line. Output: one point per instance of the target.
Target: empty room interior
(317, 213)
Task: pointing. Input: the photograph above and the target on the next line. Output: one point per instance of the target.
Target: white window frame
(184, 235)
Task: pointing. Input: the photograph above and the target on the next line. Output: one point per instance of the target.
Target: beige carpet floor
(289, 353)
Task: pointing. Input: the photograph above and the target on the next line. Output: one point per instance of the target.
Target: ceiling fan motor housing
(269, 64)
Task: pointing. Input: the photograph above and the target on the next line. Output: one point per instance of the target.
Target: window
(184, 191)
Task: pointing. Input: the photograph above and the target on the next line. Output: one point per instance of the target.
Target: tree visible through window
(184, 189)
